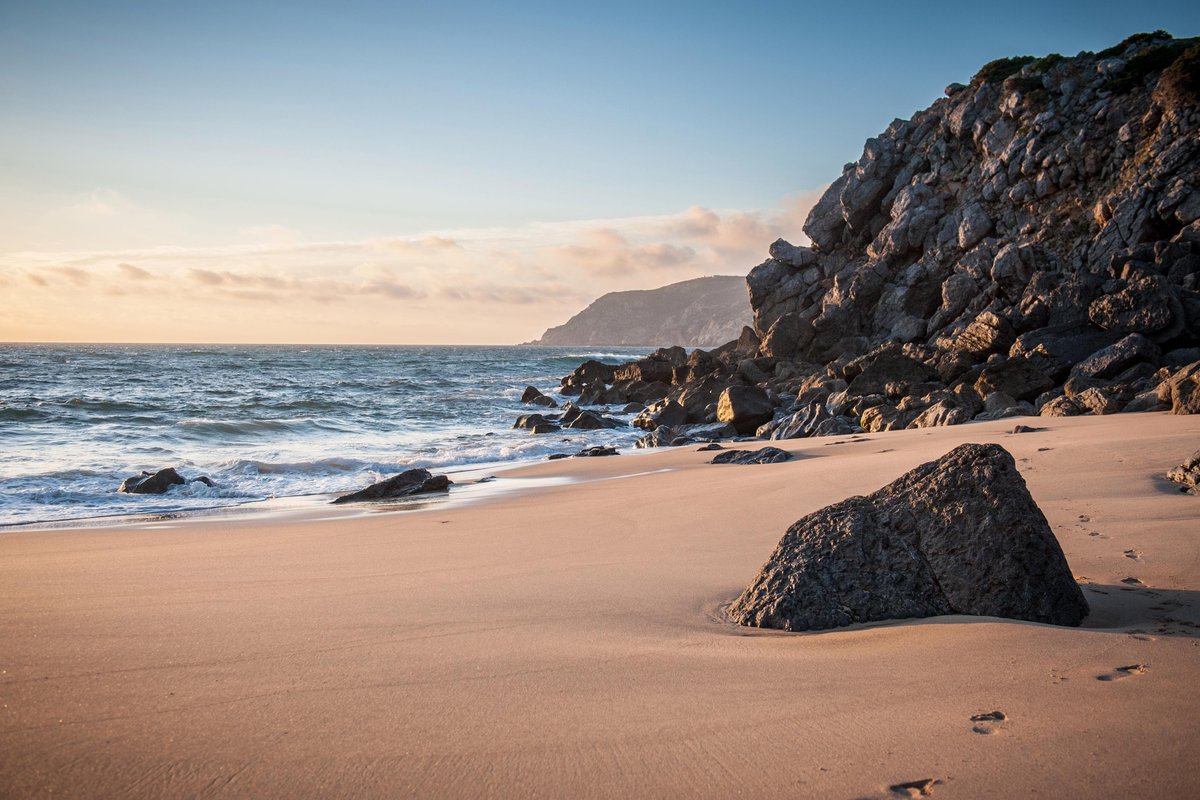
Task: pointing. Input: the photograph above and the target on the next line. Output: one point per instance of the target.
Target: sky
(447, 172)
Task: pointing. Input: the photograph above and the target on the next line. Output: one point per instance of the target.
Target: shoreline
(569, 641)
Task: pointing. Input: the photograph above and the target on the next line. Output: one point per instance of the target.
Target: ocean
(261, 421)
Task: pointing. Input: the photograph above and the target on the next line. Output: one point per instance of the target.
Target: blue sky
(216, 124)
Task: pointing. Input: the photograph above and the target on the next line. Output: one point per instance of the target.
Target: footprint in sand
(1132, 581)
(1136, 555)
(988, 723)
(1123, 672)
(921, 788)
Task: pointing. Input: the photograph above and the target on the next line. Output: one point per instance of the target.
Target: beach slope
(571, 641)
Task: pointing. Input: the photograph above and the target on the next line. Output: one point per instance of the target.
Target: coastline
(567, 639)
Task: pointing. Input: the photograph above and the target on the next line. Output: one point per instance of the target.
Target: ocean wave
(21, 414)
(321, 466)
(205, 426)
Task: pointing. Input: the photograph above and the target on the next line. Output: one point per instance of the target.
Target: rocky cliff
(703, 312)
(1030, 243)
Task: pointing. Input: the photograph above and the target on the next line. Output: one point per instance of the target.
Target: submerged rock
(959, 535)
(155, 483)
(534, 396)
(406, 484)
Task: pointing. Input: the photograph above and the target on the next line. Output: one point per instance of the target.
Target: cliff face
(1055, 191)
(702, 312)
(1029, 244)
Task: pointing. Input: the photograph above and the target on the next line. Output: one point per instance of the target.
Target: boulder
(745, 407)
(598, 450)
(943, 412)
(1102, 400)
(666, 412)
(532, 396)
(975, 225)
(802, 423)
(883, 417)
(1187, 474)
(1068, 344)
(959, 535)
(588, 374)
(1023, 377)
(153, 483)
(406, 484)
(1108, 362)
(1181, 391)
(1145, 305)
(887, 365)
(1062, 406)
(765, 455)
(988, 333)
(531, 421)
(591, 421)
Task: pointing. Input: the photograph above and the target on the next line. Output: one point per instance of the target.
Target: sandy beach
(569, 641)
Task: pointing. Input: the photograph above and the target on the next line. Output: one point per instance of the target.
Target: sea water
(261, 421)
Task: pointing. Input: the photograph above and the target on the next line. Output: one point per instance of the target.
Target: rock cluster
(1029, 244)
(959, 535)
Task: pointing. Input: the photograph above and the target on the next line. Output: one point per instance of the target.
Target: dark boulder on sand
(406, 484)
(959, 535)
(764, 455)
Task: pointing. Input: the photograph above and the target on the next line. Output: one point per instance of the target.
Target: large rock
(406, 484)
(1110, 361)
(1147, 305)
(591, 421)
(745, 408)
(665, 413)
(1182, 390)
(156, 483)
(886, 366)
(959, 535)
(764, 455)
(533, 396)
(1187, 474)
(1023, 377)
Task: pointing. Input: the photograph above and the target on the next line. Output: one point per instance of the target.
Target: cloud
(130, 272)
(426, 244)
(607, 252)
(206, 277)
(506, 284)
(75, 275)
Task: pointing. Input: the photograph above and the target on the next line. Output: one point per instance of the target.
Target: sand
(568, 641)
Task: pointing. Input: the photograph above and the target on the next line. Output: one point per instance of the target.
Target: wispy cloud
(493, 284)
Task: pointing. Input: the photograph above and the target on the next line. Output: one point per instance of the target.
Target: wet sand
(568, 640)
